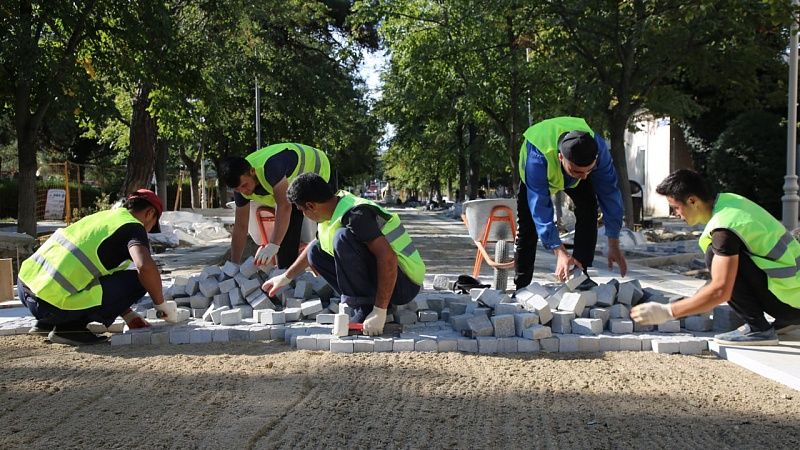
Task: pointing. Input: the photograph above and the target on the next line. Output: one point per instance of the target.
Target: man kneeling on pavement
(79, 274)
(361, 250)
(754, 263)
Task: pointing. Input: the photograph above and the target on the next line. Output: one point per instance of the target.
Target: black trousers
(751, 298)
(527, 238)
(288, 252)
(120, 290)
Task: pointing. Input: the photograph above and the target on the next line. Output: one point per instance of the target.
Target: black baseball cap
(579, 147)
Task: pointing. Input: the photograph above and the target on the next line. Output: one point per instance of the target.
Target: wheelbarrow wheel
(502, 253)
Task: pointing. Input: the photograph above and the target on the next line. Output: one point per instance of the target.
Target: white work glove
(265, 253)
(274, 284)
(651, 313)
(373, 324)
(169, 312)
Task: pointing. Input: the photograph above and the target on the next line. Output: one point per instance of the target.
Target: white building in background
(653, 151)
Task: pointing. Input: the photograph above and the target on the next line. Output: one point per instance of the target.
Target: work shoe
(786, 326)
(745, 336)
(41, 328)
(75, 337)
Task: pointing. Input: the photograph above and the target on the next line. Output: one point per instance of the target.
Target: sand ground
(263, 395)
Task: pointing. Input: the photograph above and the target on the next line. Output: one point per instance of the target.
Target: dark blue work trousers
(120, 290)
(353, 273)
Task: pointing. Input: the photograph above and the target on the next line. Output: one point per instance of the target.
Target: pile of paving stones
(224, 304)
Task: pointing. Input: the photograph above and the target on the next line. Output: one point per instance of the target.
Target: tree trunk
(26, 213)
(222, 189)
(162, 152)
(143, 142)
(193, 166)
(618, 123)
(475, 147)
(462, 164)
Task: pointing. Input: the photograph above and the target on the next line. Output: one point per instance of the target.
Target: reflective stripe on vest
(766, 241)
(544, 136)
(66, 269)
(305, 153)
(408, 257)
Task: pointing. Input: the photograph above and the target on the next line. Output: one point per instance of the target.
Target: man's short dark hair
(231, 170)
(309, 188)
(684, 183)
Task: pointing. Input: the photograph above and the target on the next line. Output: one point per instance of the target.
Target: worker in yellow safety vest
(361, 250)
(754, 263)
(79, 274)
(260, 180)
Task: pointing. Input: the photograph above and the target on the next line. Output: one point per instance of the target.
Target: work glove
(373, 324)
(651, 313)
(274, 284)
(134, 320)
(167, 311)
(265, 253)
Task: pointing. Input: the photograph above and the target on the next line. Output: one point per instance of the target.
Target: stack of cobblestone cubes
(224, 304)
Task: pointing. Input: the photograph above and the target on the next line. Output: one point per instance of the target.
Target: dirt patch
(255, 395)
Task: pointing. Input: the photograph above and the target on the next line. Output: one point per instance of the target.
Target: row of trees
(142, 83)
(467, 76)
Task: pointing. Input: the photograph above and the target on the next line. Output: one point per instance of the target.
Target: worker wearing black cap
(563, 153)
(79, 274)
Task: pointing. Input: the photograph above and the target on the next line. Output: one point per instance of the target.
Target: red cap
(153, 199)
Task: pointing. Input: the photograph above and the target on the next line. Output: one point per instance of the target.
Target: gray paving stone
(487, 344)
(537, 332)
(383, 344)
(662, 346)
(200, 336)
(426, 345)
(503, 326)
(576, 277)
(209, 287)
(698, 323)
(140, 336)
(589, 344)
(231, 317)
(221, 300)
(507, 345)
(278, 332)
(587, 326)
(568, 343)
(670, 326)
(693, 346)
(509, 308)
(609, 343)
(324, 342)
(573, 302)
(220, 335)
(120, 339)
(480, 325)
(427, 316)
(630, 343)
(306, 343)
(625, 294)
(447, 344)
(292, 314)
(524, 321)
(599, 313)
(403, 345)
(260, 333)
(227, 286)
(239, 334)
(562, 322)
(362, 345)
(619, 311)
(180, 336)
(606, 294)
(467, 345)
(159, 337)
(527, 346)
(341, 346)
(549, 345)
(270, 317)
(620, 326)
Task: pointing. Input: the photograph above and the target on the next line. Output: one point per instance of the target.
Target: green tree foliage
(749, 158)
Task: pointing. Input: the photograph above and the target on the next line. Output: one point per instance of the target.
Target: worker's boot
(586, 284)
(41, 328)
(72, 334)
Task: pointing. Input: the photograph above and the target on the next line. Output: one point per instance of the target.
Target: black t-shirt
(276, 167)
(364, 222)
(114, 250)
(724, 242)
